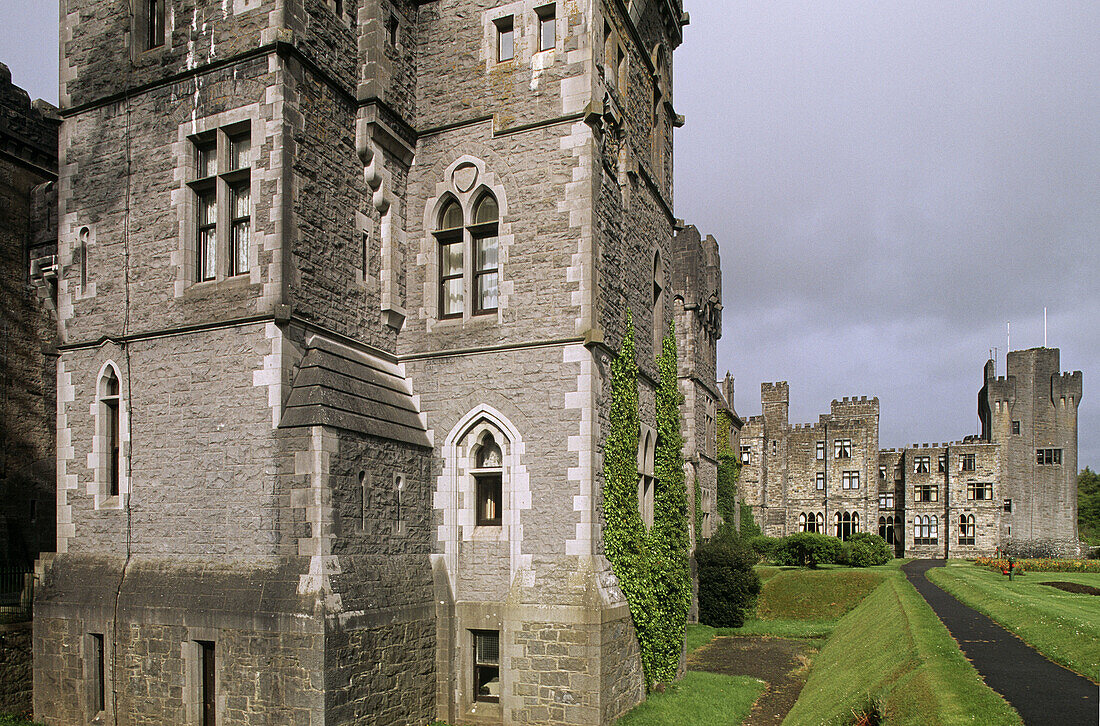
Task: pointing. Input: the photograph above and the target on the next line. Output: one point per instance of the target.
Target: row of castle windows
(545, 17)
(845, 524)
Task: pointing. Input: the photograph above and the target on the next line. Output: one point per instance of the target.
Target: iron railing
(16, 594)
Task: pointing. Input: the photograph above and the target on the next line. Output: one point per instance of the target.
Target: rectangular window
(223, 199)
(1016, 428)
(1048, 457)
(98, 673)
(450, 277)
(920, 464)
(746, 455)
(506, 49)
(207, 686)
(819, 451)
(941, 463)
(391, 30)
(979, 491)
(842, 449)
(488, 500)
(967, 462)
(819, 481)
(882, 473)
(849, 479)
(886, 500)
(1008, 506)
(927, 493)
(547, 27)
(486, 665)
(485, 273)
(153, 19)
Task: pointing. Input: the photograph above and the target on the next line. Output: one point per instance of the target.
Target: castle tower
(340, 284)
(1032, 413)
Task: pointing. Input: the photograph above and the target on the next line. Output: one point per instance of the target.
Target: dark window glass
(208, 695)
(486, 665)
(488, 500)
(99, 687)
(154, 24)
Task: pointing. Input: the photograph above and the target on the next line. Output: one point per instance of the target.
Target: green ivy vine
(652, 567)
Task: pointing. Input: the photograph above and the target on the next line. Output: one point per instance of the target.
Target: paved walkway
(1042, 691)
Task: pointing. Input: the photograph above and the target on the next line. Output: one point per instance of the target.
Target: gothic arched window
(488, 471)
(469, 257)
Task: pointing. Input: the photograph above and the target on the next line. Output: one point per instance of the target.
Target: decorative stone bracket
(375, 136)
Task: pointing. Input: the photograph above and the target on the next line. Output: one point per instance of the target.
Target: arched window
(451, 266)
(658, 301)
(469, 257)
(82, 255)
(488, 465)
(966, 529)
(886, 529)
(647, 478)
(820, 523)
(110, 432)
(934, 530)
(855, 522)
(802, 522)
(847, 524)
(484, 233)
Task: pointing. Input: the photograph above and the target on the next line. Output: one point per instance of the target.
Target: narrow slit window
(506, 38)
(98, 674)
(486, 281)
(547, 27)
(112, 422)
(207, 685)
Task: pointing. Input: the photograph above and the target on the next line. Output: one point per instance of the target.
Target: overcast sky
(890, 183)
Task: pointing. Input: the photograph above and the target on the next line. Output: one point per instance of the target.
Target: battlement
(804, 427)
(778, 392)
(1066, 384)
(28, 130)
(852, 406)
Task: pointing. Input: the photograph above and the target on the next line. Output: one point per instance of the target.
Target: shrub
(1040, 565)
(763, 546)
(728, 584)
(807, 549)
(864, 549)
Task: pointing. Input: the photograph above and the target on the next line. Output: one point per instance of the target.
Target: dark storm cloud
(890, 183)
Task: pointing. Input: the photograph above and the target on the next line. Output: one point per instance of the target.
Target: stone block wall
(16, 679)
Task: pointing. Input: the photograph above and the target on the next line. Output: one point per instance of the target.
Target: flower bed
(1044, 564)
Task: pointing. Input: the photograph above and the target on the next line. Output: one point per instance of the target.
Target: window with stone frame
(469, 258)
(95, 667)
(746, 455)
(886, 529)
(486, 665)
(1016, 428)
(547, 27)
(882, 472)
(647, 476)
(925, 530)
(842, 449)
(488, 477)
(506, 38)
(819, 451)
(886, 500)
(811, 522)
(222, 186)
(966, 529)
(926, 492)
(1048, 457)
(107, 444)
(1007, 506)
(658, 301)
(966, 462)
(846, 524)
(149, 24)
(849, 480)
(819, 481)
(920, 464)
(941, 463)
(979, 491)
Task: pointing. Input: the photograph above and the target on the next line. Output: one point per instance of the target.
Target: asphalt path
(1042, 691)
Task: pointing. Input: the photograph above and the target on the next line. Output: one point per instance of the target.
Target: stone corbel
(367, 134)
(44, 278)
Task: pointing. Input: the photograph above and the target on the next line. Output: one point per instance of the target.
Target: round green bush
(807, 549)
(764, 546)
(728, 584)
(864, 549)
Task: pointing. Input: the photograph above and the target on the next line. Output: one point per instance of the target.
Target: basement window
(486, 665)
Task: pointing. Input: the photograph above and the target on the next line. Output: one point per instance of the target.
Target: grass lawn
(9, 720)
(892, 653)
(699, 699)
(1063, 626)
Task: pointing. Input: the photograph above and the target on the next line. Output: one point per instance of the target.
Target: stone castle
(1017, 479)
(336, 286)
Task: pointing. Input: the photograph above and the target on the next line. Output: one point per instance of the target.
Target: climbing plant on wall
(624, 534)
(669, 539)
(652, 567)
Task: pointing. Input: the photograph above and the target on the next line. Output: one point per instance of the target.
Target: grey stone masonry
(339, 284)
(1016, 480)
(28, 281)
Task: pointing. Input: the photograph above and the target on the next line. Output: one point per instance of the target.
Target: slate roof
(351, 389)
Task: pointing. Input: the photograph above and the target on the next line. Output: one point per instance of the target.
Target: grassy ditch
(1063, 626)
(892, 655)
(698, 699)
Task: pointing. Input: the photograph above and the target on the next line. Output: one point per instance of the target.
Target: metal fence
(16, 594)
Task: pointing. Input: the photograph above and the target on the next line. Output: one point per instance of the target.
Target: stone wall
(15, 669)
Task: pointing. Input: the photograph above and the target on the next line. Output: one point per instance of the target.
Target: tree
(1088, 504)
(728, 584)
